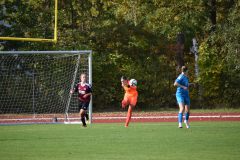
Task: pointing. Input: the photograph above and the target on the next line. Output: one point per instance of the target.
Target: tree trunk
(213, 15)
(180, 50)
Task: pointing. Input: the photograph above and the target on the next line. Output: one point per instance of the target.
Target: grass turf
(141, 141)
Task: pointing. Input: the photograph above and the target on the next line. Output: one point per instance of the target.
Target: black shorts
(83, 105)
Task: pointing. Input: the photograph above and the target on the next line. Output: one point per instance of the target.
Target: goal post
(35, 85)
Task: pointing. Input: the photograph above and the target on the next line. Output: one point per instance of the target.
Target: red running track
(164, 117)
(120, 117)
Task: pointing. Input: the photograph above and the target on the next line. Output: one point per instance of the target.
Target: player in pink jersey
(84, 96)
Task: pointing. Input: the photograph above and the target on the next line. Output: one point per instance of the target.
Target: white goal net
(35, 85)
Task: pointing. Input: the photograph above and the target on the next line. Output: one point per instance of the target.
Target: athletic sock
(83, 121)
(129, 115)
(180, 117)
(186, 116)
(87, 116)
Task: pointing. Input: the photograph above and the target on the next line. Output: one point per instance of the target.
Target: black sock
(87, 117)
(83, 121)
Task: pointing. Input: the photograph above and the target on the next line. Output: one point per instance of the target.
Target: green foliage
(136, 38)
(220, 63)
(211, 68)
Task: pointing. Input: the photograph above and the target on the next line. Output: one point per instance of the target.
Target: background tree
(137, 38)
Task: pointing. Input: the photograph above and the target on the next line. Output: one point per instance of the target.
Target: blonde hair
(83, 74)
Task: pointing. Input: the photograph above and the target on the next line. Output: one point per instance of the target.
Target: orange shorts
(129, 100)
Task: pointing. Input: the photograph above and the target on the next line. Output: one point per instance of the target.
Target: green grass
(141, 141)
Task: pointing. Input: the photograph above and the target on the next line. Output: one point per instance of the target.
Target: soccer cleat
(180, 125)
(187, 124)
(84, 125)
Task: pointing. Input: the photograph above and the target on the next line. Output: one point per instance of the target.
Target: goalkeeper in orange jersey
(130, 97)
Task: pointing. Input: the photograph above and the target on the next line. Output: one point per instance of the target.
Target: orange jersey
(130, 91)
(131, 95)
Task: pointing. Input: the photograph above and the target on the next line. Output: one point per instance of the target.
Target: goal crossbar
(47, 52)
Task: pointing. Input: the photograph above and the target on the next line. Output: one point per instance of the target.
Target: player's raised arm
(75, 89)
(124, 81)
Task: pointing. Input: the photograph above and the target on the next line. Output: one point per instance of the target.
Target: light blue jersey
(182, 80)
(182, 95)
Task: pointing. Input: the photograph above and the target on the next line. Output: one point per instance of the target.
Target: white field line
(123, 117)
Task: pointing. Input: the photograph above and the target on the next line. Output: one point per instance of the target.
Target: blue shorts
(183, 99)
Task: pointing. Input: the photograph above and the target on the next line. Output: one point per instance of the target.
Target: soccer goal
(35, 85)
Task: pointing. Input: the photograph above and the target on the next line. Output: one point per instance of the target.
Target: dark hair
(184, 69)
(123, 78)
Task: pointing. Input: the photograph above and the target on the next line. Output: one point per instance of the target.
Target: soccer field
(141, 141)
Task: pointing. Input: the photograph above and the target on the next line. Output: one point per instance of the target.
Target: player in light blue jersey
(182, 95)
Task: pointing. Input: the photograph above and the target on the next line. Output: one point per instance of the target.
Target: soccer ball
(133, 82)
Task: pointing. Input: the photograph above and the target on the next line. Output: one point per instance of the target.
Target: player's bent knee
(124, 103)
